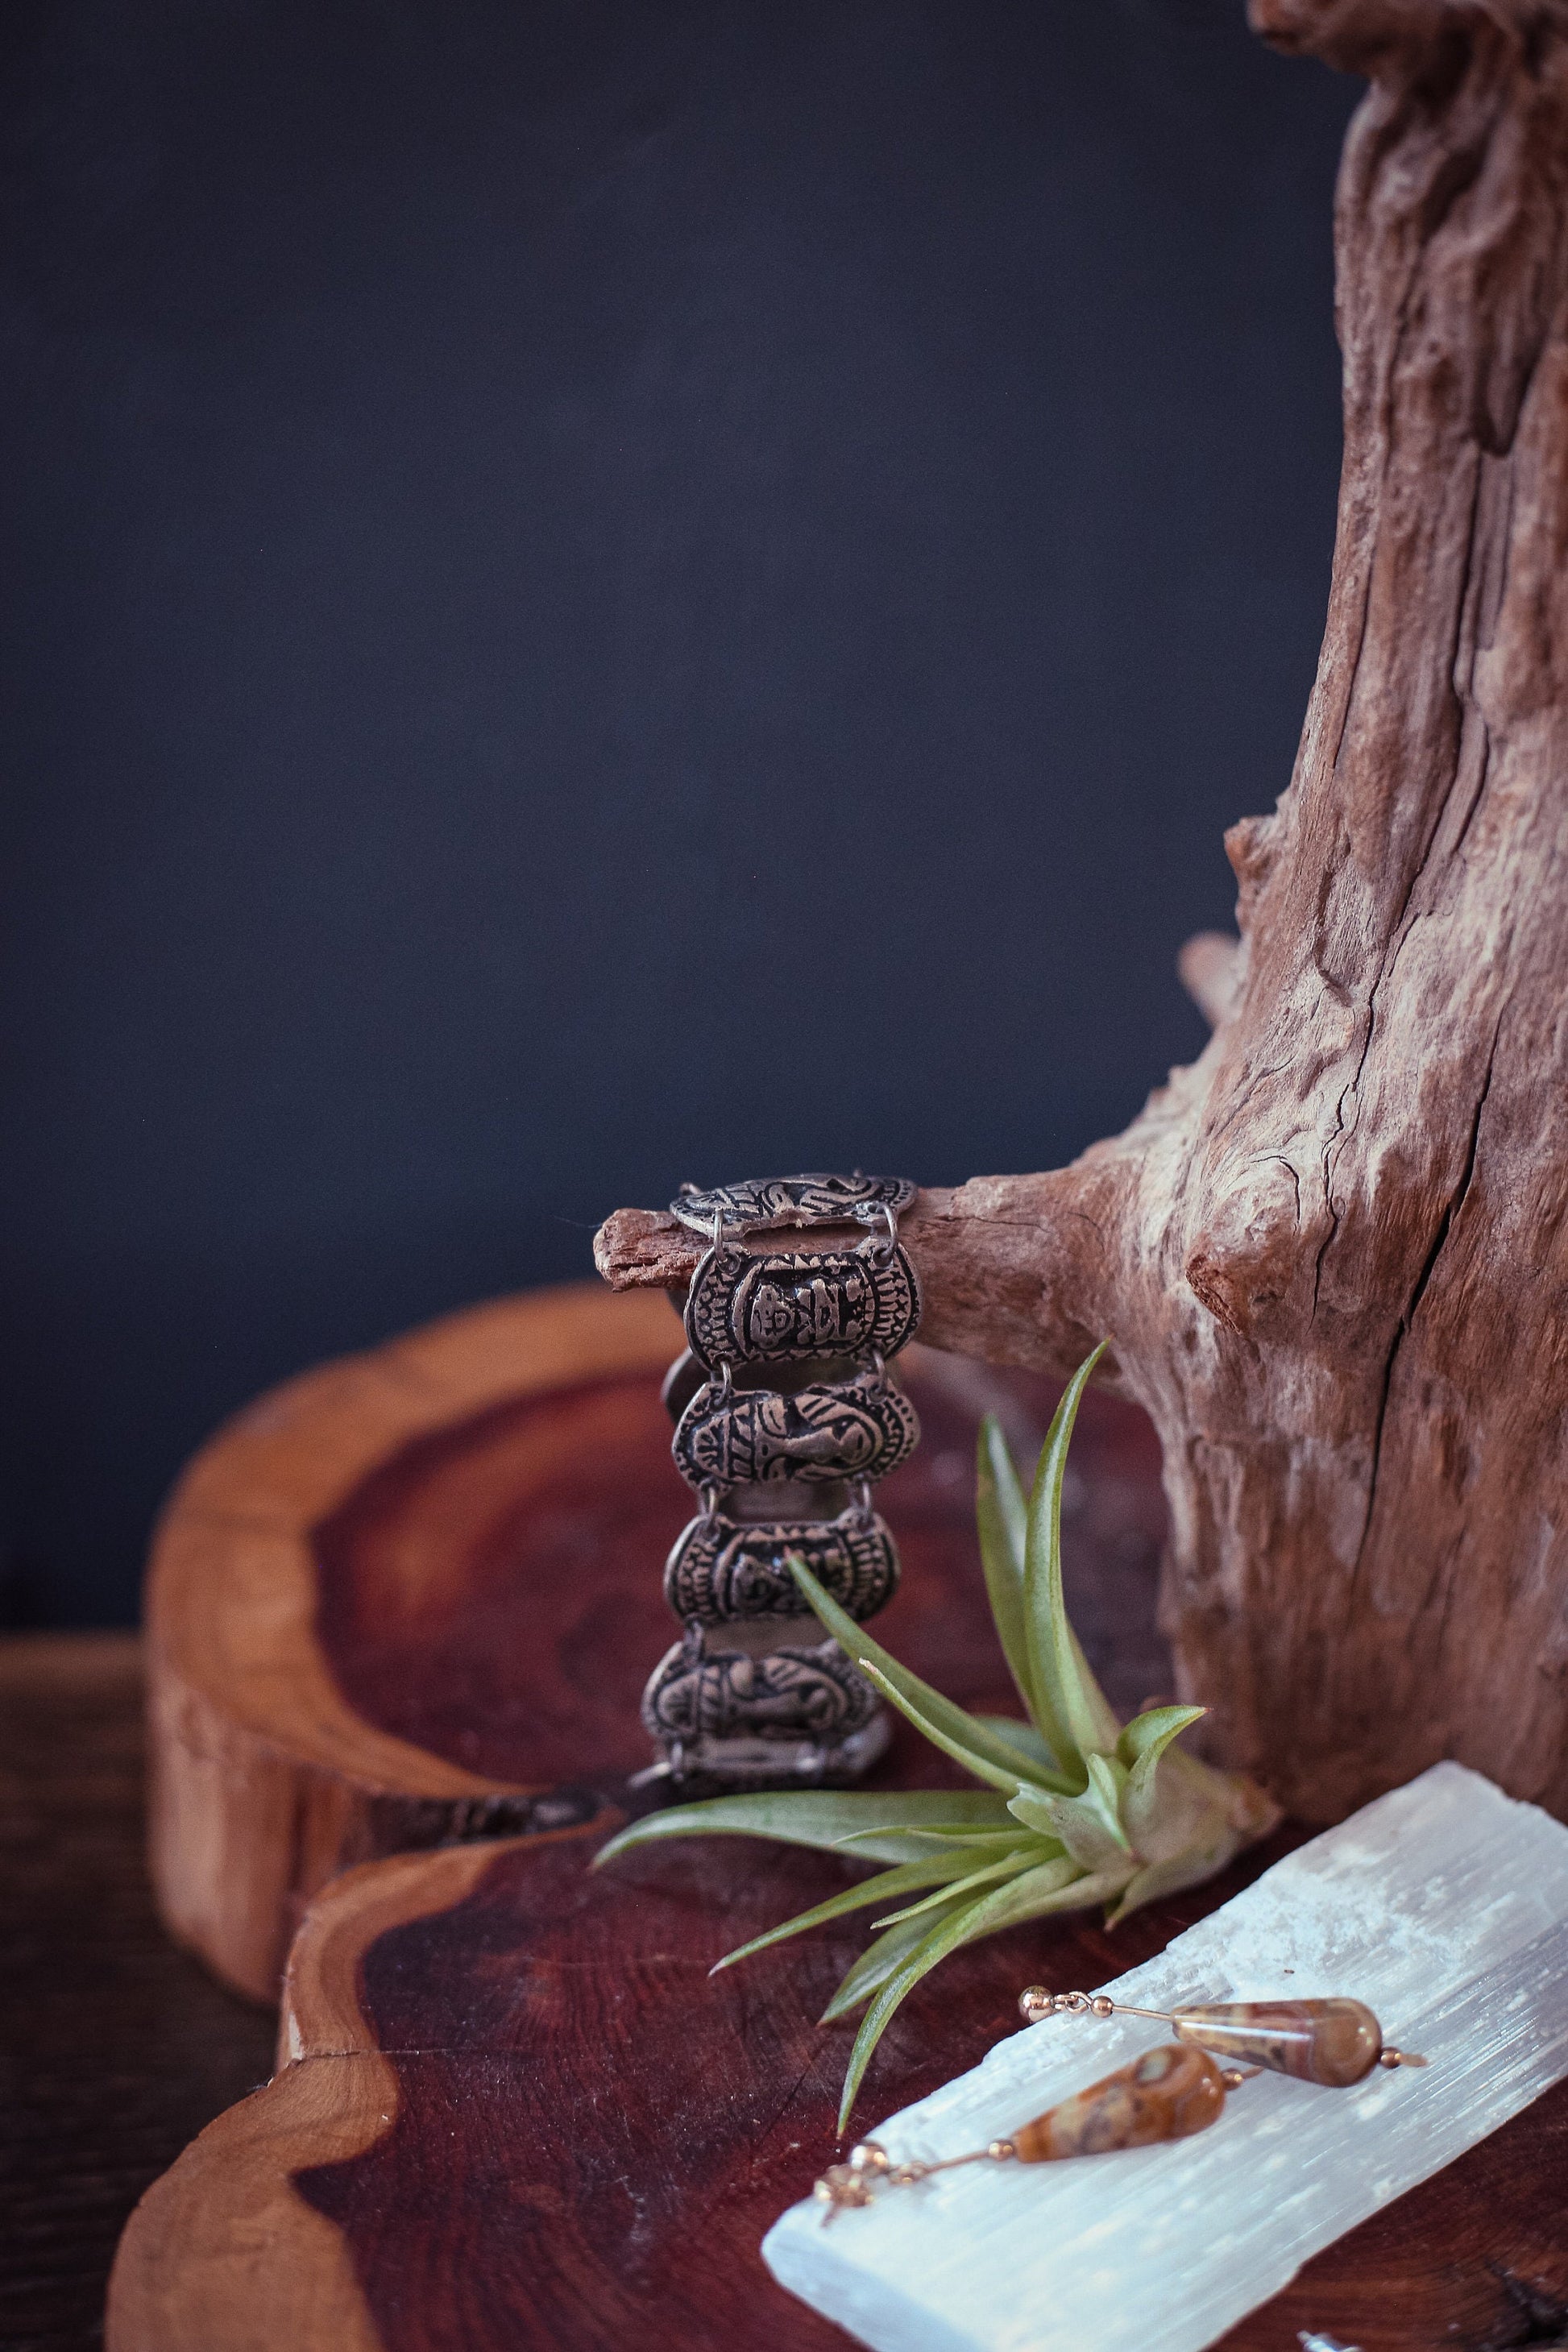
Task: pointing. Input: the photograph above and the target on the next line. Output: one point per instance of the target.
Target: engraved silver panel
(722, 1569)
(850, 1429)
(781, 1309)
(761, 1202)
(799, 1713)
(788, 1695)
(710, 1767)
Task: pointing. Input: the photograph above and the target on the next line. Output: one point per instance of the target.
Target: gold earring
(1334, 2042)
(1168, 2094)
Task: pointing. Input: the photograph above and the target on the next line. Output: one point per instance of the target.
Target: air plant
(1074, 1808)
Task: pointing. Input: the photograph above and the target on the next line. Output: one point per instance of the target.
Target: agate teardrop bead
(1167, 2094)
(1336, 2043)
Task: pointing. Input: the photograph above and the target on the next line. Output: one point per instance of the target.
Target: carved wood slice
(268, 1771)
(415, 1596)
(512, 2109)
(517, 2112)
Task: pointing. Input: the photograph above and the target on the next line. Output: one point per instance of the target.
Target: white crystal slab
(1444, 1906)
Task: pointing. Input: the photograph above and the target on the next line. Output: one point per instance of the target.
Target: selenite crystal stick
(1444, 1906)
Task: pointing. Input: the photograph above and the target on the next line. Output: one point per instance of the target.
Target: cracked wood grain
(1333, 1253)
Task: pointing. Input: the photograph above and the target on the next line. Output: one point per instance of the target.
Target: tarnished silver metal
(806, 1692)
(784, 1308)
(742, 1760)
(761, 1705)
(725, 1570)
(761, 1203)
(861, 1428)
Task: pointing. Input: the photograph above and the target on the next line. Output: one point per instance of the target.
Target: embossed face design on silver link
(806, 1693)
(724, 1711)
(723, 1570)
(746, 1309)
(821, 1435)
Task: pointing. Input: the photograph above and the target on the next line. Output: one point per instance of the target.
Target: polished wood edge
(264, 1780)
(224, 2252)
(231, 1590)
(321, 2014)
(271, 1690)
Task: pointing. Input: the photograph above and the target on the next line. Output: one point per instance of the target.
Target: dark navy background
(603, 591)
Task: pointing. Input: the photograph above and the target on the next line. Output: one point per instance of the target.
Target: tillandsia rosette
(1074, 1807)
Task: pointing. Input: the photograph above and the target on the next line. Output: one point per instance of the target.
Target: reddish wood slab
(519, 2114)
(491, 1594)
(514, 2109)
(414, 1597)
(264, 1777)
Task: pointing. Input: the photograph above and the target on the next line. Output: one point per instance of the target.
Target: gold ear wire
(850, 2184)
(1168, 2094)
(1334, 2042)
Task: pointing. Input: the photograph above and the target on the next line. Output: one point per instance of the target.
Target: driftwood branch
(995, 1285)
(1333, 1253)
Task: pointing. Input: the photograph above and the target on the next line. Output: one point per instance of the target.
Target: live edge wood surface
(276, 1630)
(519, 2114)
(118, 2047)
(511, 2109)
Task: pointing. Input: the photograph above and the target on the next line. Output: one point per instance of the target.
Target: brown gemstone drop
(1167, 2094)
(1335, 2042)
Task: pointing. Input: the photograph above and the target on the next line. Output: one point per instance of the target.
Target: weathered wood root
(1333, 1253)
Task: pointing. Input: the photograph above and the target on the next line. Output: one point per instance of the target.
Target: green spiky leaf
(1141, 1748)
(1019, 1775)
(949, 1833)
(881, 1822)
(949, 1728)
(1055, 1886)
(910, 1878)
(1089, 1826)
(1028, 1856)
(1073, 1810)
(1069, 1706)
(1152, 1731)
(877, 1963)
(1028, 1741)
(1002, 1516)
